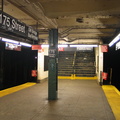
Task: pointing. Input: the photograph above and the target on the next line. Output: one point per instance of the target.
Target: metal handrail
(74, 62)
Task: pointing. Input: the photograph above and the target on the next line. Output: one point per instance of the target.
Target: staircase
(79, 63)
(84, 64)
(65, 63)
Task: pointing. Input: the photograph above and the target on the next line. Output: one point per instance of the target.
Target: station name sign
(17, 27)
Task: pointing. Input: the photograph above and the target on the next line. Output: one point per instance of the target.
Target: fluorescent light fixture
(10, 41)
(25, 44)
(58, 45)
(83, 45)
(114, 40)
(44, 45)
(16, 42)
(62, 45)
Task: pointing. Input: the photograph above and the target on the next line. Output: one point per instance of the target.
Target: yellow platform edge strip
(113, 97)
(15, 89)
(74, 78)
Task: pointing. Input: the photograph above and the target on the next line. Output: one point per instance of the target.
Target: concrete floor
(77, 100)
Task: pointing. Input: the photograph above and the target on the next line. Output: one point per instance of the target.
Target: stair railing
(74, 62)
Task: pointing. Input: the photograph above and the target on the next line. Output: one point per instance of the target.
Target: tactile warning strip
(15, 89)
(113, 96)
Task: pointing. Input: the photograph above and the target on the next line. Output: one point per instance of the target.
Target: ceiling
(78, 21)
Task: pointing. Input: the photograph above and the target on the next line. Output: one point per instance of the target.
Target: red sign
(60, 49)
(104, 48)
(36, 47)
(34, 73)
(104, 75)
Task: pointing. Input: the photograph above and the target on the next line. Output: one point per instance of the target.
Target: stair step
(84, 64)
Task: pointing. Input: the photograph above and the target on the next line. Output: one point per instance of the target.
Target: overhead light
(58, 45)
(10, 41)
(44, 45)
(117, 38)
(83, 45)
(62, 45)
(16, 42)
(25, 44)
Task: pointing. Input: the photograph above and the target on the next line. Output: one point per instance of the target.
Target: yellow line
(15, 89)
(113, 97)
(64, 77)
(86, 78)
(74, 77)
(118, 92)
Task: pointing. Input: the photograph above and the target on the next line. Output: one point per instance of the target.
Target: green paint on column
(53, 65)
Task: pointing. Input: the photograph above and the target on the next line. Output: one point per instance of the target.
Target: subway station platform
(77, 100)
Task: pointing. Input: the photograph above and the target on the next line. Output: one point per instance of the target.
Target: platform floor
(77, 100)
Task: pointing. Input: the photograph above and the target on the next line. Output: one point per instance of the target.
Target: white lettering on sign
(84, 48)
(11, 23)
(17, 26)
(32, 33)
(52, 52)
(6, 21)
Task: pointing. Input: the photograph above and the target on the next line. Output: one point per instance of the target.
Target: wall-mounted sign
(17, 27)
(52, 53)
(104, 75)
(84, 48)
(104, 48)
(36, 47)
(11, 46)
(118, 46)
(32, 34)
(61, 49)
(34, 73)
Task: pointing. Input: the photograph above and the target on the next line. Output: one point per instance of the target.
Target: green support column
(53, 64)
